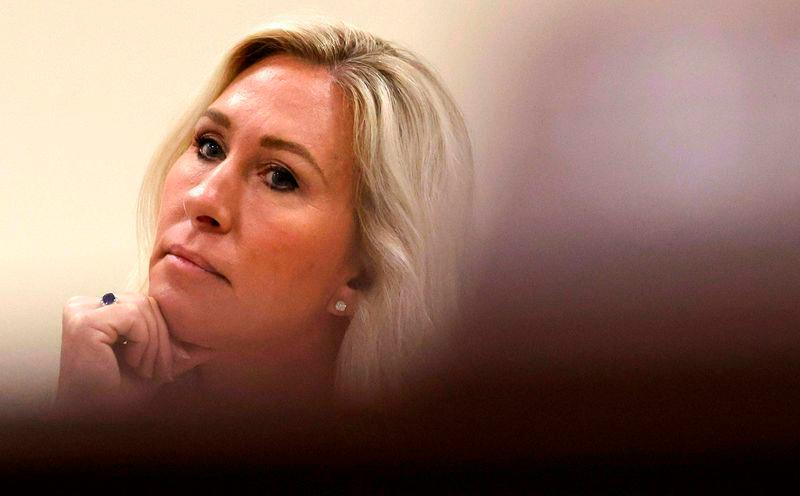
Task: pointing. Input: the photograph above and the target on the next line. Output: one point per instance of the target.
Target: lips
(194, 259)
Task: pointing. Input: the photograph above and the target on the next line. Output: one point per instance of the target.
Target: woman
(303, 221)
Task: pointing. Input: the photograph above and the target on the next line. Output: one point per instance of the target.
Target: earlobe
(343, 303)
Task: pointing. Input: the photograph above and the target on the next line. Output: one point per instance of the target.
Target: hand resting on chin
(116, 356)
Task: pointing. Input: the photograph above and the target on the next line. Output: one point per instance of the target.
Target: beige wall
(89, 87)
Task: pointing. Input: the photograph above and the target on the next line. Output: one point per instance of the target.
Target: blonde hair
(413, 192)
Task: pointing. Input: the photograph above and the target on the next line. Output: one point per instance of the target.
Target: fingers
(90, 376)
(117, 320)
(148, 364)
(150, 351)
(187, 356)
(150, 357)
(84, 302)
(97, 371)
(165, 355)
(123, 319)
(132, 317)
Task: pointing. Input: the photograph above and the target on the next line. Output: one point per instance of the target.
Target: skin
(256, 242)
(284, 254)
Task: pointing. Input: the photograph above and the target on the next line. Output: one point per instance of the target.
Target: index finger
(187, 356)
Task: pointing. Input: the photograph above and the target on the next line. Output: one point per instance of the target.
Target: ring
(110, 299)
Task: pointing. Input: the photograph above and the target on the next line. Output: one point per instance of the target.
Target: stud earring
(341, 306)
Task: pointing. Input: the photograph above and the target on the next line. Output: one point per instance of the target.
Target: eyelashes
(279, 178)
(275, 176)
(208, 148)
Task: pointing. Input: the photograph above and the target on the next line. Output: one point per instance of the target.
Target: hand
(99, 373)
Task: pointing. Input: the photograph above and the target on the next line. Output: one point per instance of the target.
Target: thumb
(186, 356)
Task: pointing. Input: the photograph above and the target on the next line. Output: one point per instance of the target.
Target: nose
(210, 205)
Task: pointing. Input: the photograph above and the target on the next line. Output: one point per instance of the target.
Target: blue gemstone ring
(110, 299)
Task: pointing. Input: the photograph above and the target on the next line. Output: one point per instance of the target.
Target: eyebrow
(268, 141)
(218, 117)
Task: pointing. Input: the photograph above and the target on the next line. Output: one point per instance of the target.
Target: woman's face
(256, 237)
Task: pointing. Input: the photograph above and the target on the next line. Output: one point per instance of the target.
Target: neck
(275, 378)
(299, 376)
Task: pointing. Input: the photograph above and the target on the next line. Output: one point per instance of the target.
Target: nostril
(208, 220)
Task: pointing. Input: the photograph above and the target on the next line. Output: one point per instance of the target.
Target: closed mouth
(195, 259)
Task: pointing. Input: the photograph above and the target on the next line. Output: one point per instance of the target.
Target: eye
(209, 149)
(279, 178)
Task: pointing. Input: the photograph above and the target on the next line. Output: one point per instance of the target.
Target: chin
(186, 322)
(192, 315)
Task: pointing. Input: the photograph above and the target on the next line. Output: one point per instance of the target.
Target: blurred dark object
(637, 289)
(640, 290)
(398, 453)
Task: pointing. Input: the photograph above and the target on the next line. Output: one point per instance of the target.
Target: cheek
(173, 193)
(301, 252)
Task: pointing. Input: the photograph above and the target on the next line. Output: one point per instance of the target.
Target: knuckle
(76, 320)
(127, 314)
(76, 324)
(128, 307)
(135, 305)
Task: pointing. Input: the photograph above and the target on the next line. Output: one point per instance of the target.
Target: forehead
(287, 92)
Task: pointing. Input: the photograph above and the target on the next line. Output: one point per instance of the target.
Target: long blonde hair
(413, 192)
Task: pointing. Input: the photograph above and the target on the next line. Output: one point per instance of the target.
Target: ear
(356, 280)
(344, 301)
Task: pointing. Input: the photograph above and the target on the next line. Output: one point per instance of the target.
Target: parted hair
(413, 193)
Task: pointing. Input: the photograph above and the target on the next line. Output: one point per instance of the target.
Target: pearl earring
(341, 306)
